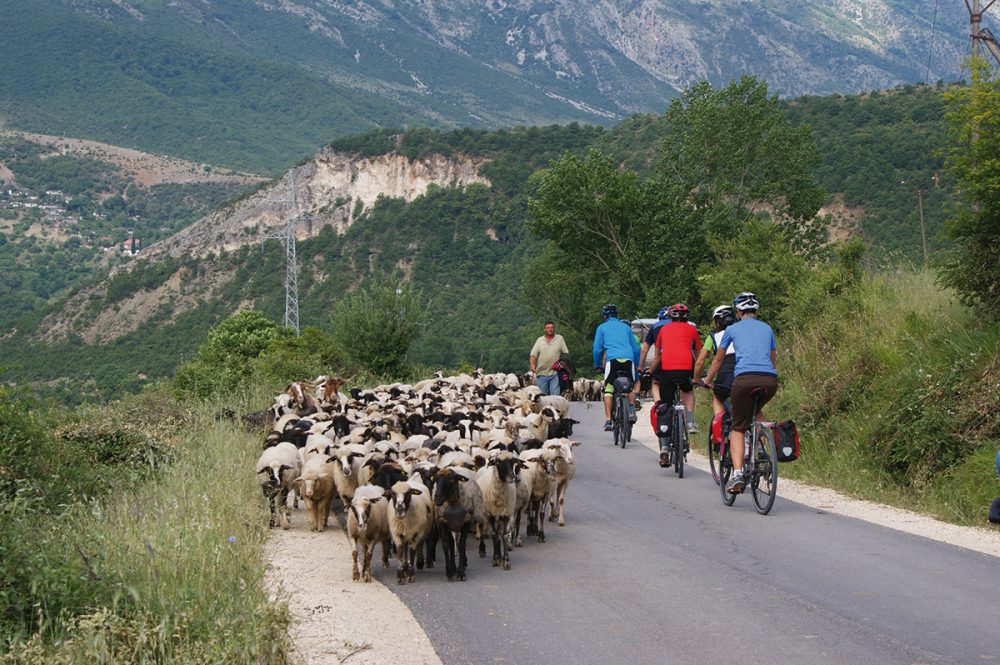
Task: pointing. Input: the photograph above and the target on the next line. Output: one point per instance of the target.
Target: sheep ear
(461, 478)
(297, 481)
(387, 494)
(414, 490)
(574, 444)
(375, 499)
(283, 467)
(264, 470)
(520, 464)
(331, 459)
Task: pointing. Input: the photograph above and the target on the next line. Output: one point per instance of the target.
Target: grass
(168, 570)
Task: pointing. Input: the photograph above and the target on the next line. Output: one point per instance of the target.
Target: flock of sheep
(414, 465)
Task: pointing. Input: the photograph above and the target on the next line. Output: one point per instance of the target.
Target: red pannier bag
(786, 441)
(716, 430)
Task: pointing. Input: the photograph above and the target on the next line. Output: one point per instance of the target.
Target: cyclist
(722, 318)
(753, 341)
(673, 361)
(616, 345)
(662, 318)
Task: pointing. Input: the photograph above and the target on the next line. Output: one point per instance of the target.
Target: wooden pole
(923, 230)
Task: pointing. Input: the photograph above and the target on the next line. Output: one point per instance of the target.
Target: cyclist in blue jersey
(753, 344)
(616, 350)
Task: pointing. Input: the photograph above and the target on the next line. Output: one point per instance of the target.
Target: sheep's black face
(445, 489)
(402, 501)
(505, 469)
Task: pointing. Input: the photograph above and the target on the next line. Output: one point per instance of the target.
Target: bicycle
(760, 463)
(675, 444)
(621, 423)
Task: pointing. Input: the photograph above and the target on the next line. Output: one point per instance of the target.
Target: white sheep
(316, 485)
(565, 469)
(368, 525)
(410, 518)
(277, 467)
(496, 481)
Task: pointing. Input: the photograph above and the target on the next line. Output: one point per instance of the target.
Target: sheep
(410, 514)
(460, 509)
(344, 473)
(565, 469)
(303, 403)
(368, 525)
(316, 485)
(539, 476)
(277, 467)
(496, 480)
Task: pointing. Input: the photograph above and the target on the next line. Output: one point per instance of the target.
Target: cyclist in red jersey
(677, 344)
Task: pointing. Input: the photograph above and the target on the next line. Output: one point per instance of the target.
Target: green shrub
(374, 328)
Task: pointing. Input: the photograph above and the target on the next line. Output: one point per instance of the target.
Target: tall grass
(894, 386)
(169, 569)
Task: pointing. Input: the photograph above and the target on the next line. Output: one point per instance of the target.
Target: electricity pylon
(981, 35)
(291, 262)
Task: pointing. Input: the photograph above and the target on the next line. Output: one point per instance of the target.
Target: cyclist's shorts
(615, 368)
(669, 378)
(723, 385)
(742, 400)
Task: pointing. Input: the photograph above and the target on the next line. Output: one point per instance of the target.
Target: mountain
(443, 210)
(257, 84)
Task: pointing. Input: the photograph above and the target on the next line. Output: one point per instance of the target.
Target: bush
(374, 329)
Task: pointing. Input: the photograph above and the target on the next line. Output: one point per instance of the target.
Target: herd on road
(415, 465)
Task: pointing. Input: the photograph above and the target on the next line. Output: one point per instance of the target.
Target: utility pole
(923, 229)
(980, 35)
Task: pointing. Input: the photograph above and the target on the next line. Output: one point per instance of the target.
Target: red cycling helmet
(679, 312)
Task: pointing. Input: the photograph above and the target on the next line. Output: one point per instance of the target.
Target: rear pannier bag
(786, 440)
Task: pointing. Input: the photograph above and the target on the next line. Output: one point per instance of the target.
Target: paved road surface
(654, 569)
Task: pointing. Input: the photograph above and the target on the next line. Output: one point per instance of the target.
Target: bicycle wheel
(764, 476)
(713, 458)
(680, 439)
(626, 426)
(725, 471)
(628, 422)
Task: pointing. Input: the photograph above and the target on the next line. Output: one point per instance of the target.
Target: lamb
(368, 525)
(316, 485)
(539, 476)
(277, 467)
(410, 513)
(496, 480)
(565, 468)
(460, 508)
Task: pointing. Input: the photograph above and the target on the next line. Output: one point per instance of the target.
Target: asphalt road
(654, 569)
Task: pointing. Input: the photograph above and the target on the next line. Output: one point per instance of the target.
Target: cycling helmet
(609, 310)
(746, 302)
(664, 313)
(722, 311)
(679, 312)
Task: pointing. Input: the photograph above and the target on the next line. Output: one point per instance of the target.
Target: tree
(734, 148)
(973, 265)
(375, 327)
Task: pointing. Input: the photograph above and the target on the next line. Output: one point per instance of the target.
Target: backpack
(786, 440)
(564, 368)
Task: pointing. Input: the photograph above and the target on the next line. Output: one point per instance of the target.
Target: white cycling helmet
(721, 311)
(746, 302)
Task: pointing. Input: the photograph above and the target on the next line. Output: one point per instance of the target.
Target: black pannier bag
(995, 511)
(786, 441)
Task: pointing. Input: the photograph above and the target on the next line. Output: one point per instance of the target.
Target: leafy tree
(735, 148)
(973, 160)
(375, 327)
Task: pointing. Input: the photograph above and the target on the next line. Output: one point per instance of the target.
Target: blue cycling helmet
(746, 302)
(609, 310)
(664, 313)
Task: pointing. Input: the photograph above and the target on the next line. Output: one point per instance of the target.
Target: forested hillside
(467, 249)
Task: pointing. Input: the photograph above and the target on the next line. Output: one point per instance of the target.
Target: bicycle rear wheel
(680, 439)
(725, 471)
(713, 458)
(628, 422)
(764, 477)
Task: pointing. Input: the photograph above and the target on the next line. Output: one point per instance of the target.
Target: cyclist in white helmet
(753, 341)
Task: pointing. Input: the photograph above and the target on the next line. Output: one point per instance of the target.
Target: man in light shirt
(546, 352)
